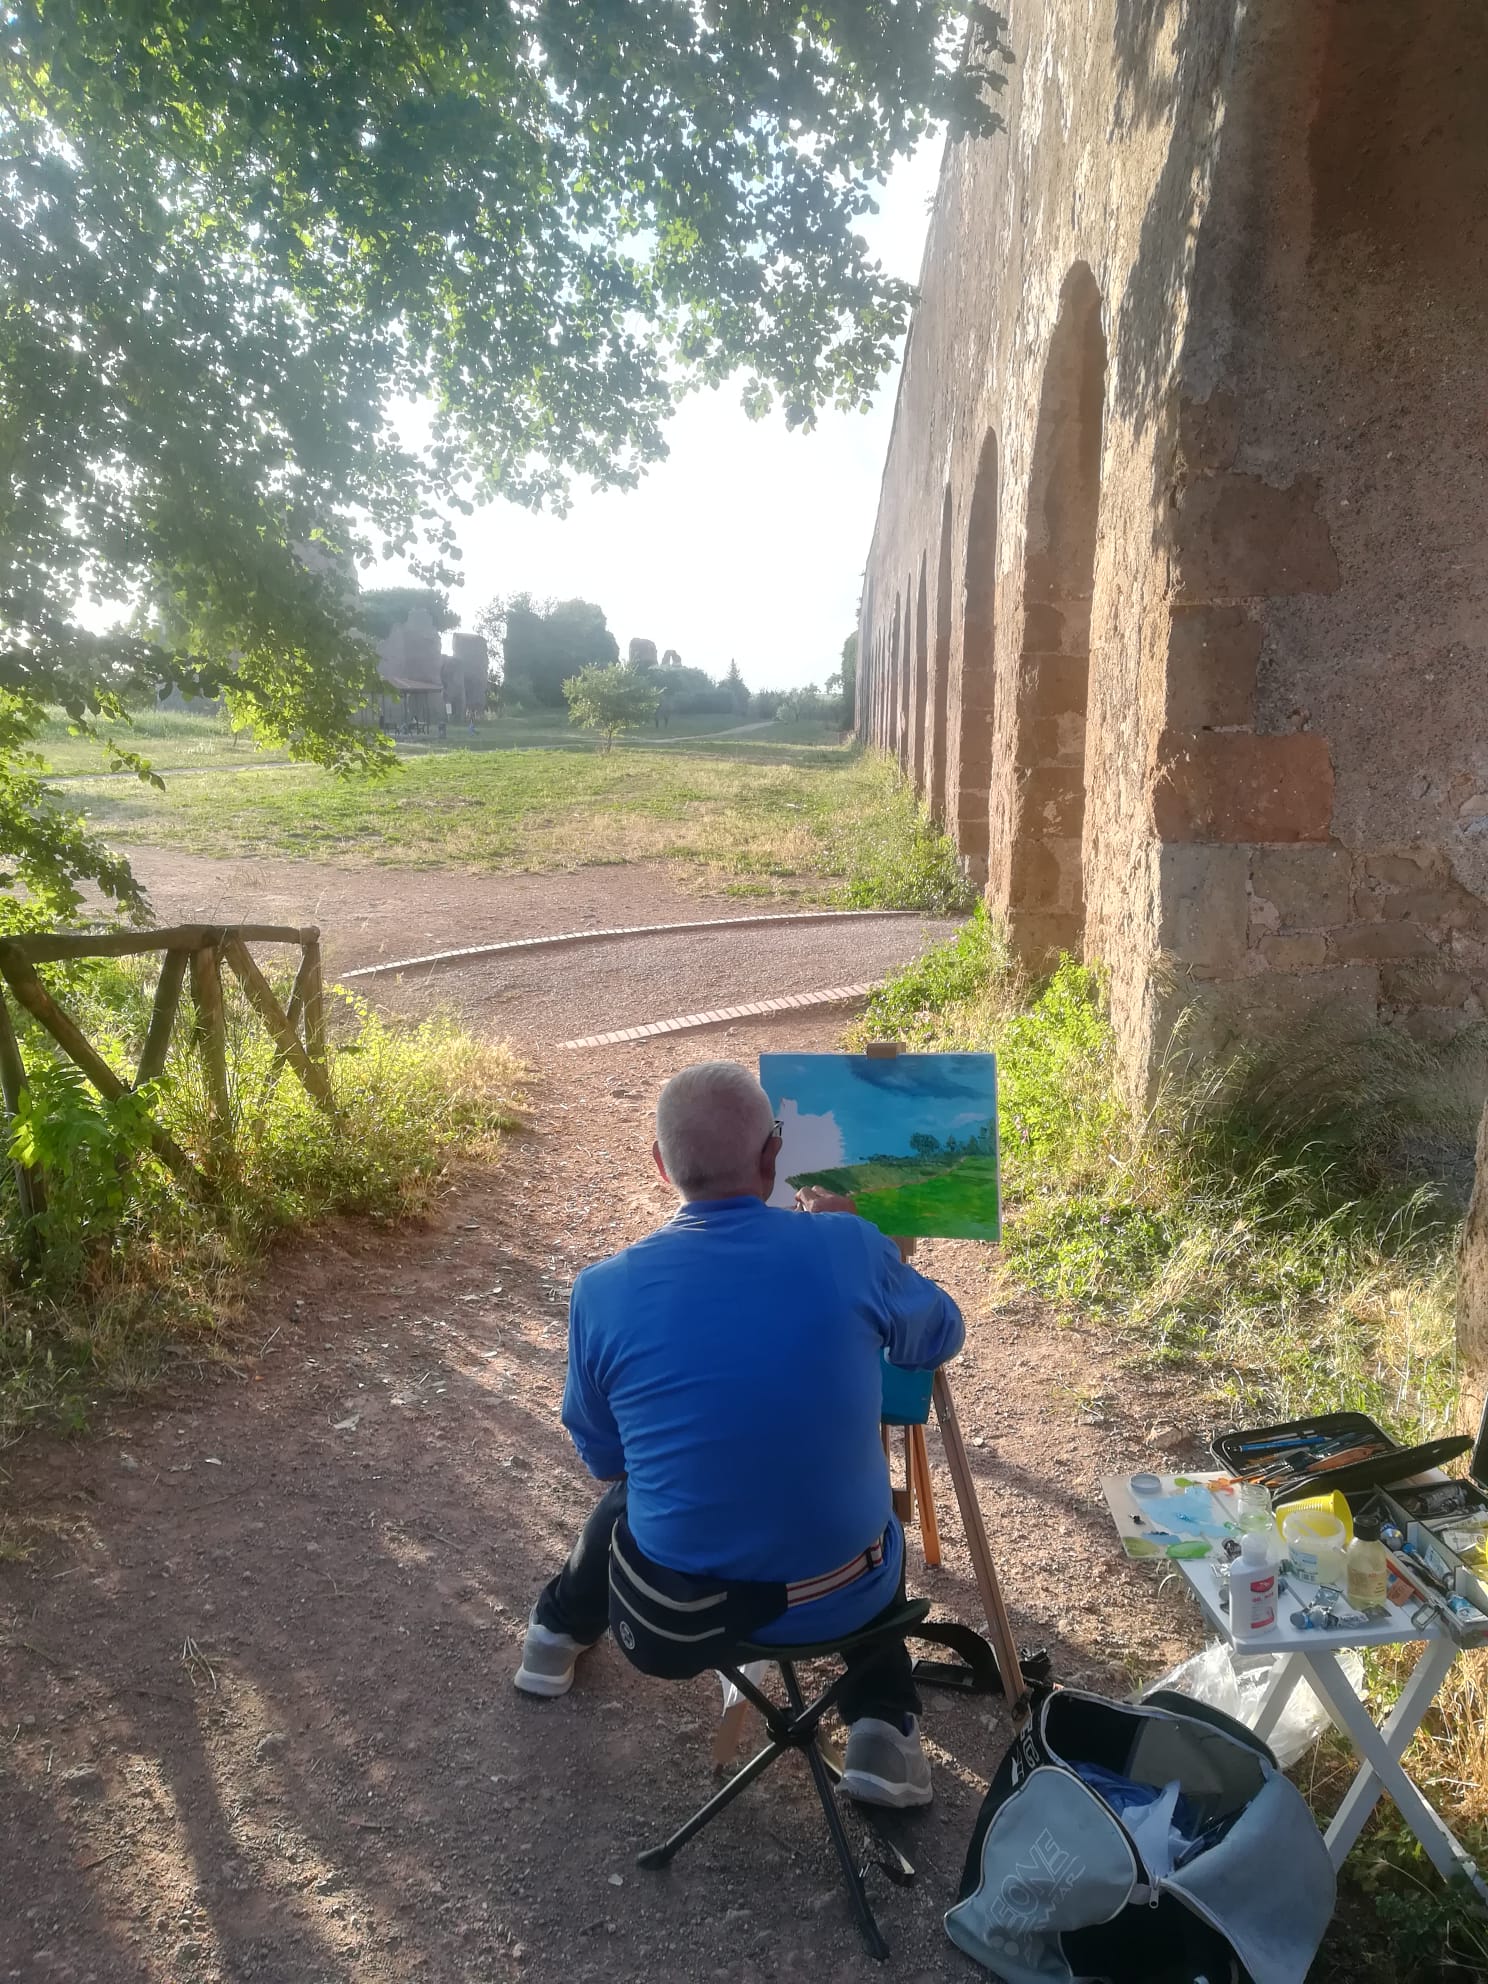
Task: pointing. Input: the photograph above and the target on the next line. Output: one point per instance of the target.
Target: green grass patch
(126, 1269)
(752, 815)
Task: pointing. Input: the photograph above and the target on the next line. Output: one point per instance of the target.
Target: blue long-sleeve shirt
(729, 1365)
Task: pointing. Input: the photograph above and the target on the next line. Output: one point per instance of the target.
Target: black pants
(879, 1682)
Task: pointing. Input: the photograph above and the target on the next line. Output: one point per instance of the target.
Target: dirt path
(255, 1671)
(373, 914)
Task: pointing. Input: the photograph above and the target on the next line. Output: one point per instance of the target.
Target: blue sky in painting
(842, 1108)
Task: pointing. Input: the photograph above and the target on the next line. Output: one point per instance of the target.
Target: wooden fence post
(211, 1035)
(30, 1188)
(314, 998)
(261, 998)
(162, 1018)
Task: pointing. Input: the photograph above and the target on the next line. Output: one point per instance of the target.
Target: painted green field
(955, 1199)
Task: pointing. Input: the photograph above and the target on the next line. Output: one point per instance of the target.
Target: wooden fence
(200, 949)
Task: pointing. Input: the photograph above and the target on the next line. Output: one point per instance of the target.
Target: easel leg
(1000, 1626)
(919, 1468)
(729, 1735)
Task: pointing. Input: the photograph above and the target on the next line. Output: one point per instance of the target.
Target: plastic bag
(1235, 1682)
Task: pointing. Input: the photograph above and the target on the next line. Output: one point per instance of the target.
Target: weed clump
(126, 1267)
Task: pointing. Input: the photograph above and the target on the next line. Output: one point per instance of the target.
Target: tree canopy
(543, 646)
(612, 699)
(233, 238)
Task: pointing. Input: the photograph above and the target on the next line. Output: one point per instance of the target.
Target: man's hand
(814, 1198)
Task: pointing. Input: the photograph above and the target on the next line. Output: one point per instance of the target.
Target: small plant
(611, 700)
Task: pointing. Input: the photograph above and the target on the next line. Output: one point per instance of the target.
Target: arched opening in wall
(921, 686)
(940, 674)
(976, 703)
(904, 710)
(891, 699)
(1046, 884)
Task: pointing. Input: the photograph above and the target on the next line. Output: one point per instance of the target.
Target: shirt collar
(705, 1211)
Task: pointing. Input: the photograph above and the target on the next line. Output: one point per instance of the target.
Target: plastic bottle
(1367, 1568)
(1253, 1586)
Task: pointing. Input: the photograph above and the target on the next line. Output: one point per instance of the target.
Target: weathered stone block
(1407, 871)
(1203, 905)
(1058, 627)
(1307, 887)
(1220, 786)
(1450, 908)
(1055, 684)
(1037, 937)
(1052, 800)
(1213, 652)
(1308, 952)
(1208, 431)
(1384, 940)
(1237, 537)
(1423, 985)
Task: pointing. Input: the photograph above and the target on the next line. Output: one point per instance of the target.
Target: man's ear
(768, 1156)
(656, 1159)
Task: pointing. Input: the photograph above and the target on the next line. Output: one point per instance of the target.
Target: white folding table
(1312, 1656)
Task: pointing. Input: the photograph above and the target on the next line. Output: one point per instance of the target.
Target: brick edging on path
(478, 951)
(792, 1002)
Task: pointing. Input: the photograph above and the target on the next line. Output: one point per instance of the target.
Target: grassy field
(755, 814)
(179, 740)
(173, 740)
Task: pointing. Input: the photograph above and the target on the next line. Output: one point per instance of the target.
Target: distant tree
(765, 702)
(846, 680)
(611, 700)
(543, 648)
(738, 694)
(383, 608)
(689, 692)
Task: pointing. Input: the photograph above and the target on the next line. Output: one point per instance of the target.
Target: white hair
(713, 1121)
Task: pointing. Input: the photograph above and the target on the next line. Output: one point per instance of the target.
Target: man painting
(725, 1377)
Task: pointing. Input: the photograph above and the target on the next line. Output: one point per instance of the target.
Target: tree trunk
(1472, 1291)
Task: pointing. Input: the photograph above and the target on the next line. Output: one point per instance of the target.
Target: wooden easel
(919, 1492)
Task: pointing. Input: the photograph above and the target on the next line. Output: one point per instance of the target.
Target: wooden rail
(195, 950)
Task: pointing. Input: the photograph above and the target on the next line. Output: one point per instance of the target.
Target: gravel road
(369, 915)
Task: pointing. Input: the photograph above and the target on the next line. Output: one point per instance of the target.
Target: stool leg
(867, 1922)
(660, 1856)
(925, 1496)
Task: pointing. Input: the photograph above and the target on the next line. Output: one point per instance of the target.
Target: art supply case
(1381, 1481)
(1391, 1463)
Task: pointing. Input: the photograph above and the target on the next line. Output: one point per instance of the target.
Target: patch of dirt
(256, 1670)
(371, 915)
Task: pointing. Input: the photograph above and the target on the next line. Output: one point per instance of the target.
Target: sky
(748, 543)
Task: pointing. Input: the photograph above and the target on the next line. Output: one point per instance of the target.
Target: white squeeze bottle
(1253, 1586)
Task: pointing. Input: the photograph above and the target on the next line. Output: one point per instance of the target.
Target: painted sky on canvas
(843, 1108)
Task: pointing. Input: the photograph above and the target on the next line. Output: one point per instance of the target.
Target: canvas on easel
(910, 1138)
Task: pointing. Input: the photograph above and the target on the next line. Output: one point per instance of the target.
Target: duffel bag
(1142, 1843)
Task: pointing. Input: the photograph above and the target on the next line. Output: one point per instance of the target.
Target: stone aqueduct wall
(1177, 603)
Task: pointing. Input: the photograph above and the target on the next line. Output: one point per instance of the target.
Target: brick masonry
(1188, 427)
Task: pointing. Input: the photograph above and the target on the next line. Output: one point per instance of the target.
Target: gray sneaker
(548, 1661)
(883, 1766)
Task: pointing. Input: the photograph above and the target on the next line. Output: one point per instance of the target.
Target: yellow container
(1335, 1503)
(1316, 1535)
